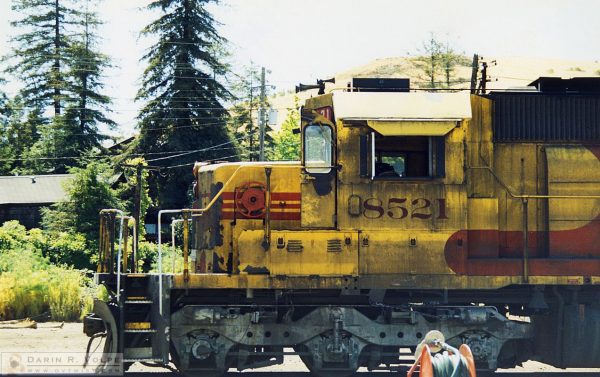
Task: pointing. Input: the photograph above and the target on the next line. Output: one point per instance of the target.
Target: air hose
(450, 363)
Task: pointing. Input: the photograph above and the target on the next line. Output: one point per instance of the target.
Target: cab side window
(398, 157)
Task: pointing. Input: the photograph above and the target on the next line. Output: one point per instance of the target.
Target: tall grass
(31, 285)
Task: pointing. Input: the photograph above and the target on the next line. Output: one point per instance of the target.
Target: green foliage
(438, 60)
(88, 193)
(30, 284)
(244, 121)
(55, 57)
(73, 224)
(286, 143)
(40, 50)
(183, 108)
(89, 107)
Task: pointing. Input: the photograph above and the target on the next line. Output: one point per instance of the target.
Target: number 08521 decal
(403, 208)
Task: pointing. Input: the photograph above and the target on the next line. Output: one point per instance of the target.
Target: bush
(30, 284)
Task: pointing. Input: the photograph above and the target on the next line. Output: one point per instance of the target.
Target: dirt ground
(70, 338)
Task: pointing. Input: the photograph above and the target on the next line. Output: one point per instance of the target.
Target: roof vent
(364, 84)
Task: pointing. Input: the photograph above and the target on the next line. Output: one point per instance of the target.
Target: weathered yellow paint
(318, 211)
(301, 253)
(412, 127)
(563, 179)
(138, 325)
(400, 244)
(408, 252)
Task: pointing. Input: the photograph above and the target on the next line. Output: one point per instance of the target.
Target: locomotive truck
(476, 215)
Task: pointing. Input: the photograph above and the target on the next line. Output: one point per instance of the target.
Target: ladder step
(136, 301)
(138, 326)
(138, 353)
(140, 330)
(136, 298)
(151, 359)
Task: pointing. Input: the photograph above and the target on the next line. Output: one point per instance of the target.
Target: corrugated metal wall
(546, 117)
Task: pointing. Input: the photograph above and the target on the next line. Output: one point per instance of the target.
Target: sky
(302, 40)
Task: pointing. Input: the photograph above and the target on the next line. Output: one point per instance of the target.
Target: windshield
(318, 147)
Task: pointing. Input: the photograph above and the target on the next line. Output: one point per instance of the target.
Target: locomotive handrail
(524, 200)
(199, 212)
(530, 196)
(173, 222)
(122, 218)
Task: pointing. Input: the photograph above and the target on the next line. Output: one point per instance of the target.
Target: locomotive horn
(303, 87)
(320, 85)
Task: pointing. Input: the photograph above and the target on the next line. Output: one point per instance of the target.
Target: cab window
(398, 157)
(318, 148)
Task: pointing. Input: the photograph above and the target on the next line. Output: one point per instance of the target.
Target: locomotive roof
(401, 106)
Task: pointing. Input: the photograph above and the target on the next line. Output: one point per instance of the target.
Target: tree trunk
(56, 67)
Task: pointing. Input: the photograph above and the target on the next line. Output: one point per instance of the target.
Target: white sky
(301, 40)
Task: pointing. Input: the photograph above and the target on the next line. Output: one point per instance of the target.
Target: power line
(212, 148)
(193, 163)
(199, 150)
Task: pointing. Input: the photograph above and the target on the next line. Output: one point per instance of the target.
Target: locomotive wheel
(202, 370)
(332, 371)
(205, 368)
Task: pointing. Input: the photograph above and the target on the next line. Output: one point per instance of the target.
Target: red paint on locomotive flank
(274, 204)
(500, 253)
(595, 150)
(274, 216)
(277, 202)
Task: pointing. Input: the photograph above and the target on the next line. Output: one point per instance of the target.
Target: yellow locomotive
(410, 211)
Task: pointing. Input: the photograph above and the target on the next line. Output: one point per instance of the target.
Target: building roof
(33, 189)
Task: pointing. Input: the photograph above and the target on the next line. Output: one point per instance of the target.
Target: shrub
(31, 285)
(70, 249)
(65, 295)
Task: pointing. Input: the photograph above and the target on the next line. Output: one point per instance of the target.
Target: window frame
(436, 158)
(318, 169)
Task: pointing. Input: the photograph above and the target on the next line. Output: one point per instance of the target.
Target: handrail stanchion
(173, 222)
(119, 250)
(134, 246)
(111, 214)
(186, 241)
(101, 256)
(125, 232)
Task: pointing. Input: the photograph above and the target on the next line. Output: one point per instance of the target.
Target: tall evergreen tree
(244, 121)
(56, 58)
(89, 106)
(41, 51)
(183, 109)
(6, 151)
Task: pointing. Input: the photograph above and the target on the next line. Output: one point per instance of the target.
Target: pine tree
(183, 109)
(89, 105)
(56, 58)
(40, 51)
(6, 150)
(438, 60)
(244, 121)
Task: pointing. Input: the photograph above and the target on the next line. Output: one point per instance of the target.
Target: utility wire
(198, 150)
(215, 147)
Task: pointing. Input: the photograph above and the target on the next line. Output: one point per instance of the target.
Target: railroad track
(379, 374)
(359, 374)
